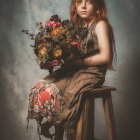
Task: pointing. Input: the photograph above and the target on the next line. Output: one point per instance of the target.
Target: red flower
(43, 96)
(53, 23)
(55, 62)
(75, 43)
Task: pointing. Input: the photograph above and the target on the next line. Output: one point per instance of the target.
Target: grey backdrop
(19, 70)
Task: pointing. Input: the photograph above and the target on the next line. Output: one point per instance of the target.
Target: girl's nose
(83, 4)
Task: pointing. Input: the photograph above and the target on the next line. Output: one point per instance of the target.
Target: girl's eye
(78, 1)
(89, 1)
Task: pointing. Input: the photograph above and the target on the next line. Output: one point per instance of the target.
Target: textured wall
(19, 71)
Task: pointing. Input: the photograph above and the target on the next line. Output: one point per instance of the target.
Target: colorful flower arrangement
(43, 99)
(57, 42)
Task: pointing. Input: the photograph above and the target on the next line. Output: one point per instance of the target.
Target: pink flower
(53, 23)
(55, 62)
(37, 85)
(75, 43)
(58, 24)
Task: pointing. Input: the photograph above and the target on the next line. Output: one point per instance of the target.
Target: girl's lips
(83, 12)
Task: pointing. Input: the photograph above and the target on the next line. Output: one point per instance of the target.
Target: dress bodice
(91, 40)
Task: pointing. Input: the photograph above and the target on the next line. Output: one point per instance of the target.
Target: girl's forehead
(85, 0)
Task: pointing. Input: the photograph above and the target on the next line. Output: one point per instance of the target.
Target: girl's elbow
(105, 56)
(106, 60)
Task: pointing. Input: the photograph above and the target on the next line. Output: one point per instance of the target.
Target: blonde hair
(100, 13)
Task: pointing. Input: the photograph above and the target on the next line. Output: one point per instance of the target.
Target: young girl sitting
(80, 76)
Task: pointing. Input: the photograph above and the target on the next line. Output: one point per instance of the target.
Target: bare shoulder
(101, 27)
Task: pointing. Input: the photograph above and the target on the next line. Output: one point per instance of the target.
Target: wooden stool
(85, 126)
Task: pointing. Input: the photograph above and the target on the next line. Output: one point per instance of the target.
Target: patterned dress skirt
(70, 86)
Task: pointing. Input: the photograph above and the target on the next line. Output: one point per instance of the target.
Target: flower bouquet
(57, 42)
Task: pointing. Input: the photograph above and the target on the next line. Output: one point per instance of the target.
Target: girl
(84, 74)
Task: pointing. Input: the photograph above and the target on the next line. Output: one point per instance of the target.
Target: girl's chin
(85, 17)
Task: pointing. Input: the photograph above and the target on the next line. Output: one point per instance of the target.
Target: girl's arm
(103, 57)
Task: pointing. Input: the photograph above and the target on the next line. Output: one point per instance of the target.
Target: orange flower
(42, 50)
(57, 53)
(56, 31)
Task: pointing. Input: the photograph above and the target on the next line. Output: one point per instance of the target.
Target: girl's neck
(88, 22)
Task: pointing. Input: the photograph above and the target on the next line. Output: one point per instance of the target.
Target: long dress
(72, 83)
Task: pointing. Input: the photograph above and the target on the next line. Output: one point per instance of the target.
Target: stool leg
(59, 132)
(109, 116)
(90, 119)
(85, 126)
(70, 136)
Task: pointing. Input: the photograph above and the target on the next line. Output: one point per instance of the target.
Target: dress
(72, 83)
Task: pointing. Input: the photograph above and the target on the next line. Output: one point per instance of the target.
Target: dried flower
(52, 23)
(57, 31)
(69, 24)
(57, 53)
(55, 18)
(76, 43)
(42, 50)
(55, 63)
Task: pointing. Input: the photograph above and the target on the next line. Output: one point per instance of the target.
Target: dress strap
(93, 25)
(92, 28)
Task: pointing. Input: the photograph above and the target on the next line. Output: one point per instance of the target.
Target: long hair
(99, 13)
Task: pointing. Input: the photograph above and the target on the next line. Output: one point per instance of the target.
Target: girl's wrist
(85, 62)
(79, 62)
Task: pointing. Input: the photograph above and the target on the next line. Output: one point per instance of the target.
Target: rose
(55, 62)
(44, 96)
(76, 43)
(53, 23)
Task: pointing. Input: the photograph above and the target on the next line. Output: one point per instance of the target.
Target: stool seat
(103, 89)
(100, 91)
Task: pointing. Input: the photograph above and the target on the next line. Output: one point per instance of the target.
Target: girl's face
(85, 8)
